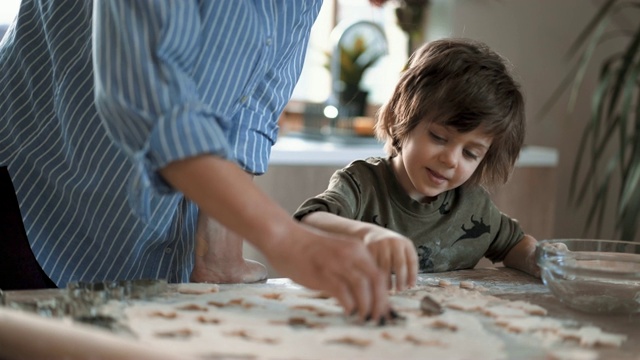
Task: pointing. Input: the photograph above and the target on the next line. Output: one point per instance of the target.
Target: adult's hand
(338, 265)
(393, 252)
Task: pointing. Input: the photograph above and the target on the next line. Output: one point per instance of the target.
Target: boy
(454, 124)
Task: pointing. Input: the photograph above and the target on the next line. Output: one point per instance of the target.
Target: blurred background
(544, 41)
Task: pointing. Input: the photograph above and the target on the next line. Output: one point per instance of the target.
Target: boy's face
(436, 158)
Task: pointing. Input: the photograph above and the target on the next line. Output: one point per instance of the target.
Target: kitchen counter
(297, 151)
(277, 319)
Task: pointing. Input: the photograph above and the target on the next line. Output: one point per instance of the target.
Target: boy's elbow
(523, 256)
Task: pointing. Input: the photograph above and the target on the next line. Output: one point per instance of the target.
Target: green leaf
(574, 77)
(630, 181)
(589, 29)
(354, 61)
(627, 65)
(598, 150)
(630, 88)
(614, 124)
(583, 62)
(628, 220)
(577, 165)
(599, 203)
(591, 132)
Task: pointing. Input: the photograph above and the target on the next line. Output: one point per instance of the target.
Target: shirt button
(167, 250)
(268, 42)
(244, 99)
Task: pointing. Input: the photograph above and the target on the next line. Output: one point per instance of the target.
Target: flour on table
(512, 309)
(527, 307)
(529, 324)
(590, 336)
(496, 311)
(259, 322)
(467, 284)
(553, 331)
(197, 288)
(573, 354)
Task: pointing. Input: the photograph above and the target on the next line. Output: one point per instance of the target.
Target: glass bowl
(595, 276)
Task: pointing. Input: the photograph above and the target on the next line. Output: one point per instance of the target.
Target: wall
(534, 36)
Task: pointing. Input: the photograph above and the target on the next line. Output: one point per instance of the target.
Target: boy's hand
(394, 253)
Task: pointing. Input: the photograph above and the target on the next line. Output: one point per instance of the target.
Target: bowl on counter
(590, 275)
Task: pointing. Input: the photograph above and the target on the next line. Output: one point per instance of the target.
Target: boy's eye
(436, 137)
(470, 155)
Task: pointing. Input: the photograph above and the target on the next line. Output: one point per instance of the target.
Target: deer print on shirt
(475, 231)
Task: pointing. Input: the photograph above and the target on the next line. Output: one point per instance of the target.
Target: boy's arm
(523, 256)
(337, 224)
(393, 252)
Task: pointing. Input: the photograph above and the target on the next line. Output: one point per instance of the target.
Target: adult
(128, 126)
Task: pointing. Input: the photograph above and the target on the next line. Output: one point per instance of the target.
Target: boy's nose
(449, 158)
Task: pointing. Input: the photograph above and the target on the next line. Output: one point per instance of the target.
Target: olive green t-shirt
(452, 232)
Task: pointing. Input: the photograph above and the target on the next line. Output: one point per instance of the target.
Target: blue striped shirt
(97, 96)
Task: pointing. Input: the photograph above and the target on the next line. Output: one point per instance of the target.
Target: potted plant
(355, 59)
(354, 62)
(410, 15)
(610, 145)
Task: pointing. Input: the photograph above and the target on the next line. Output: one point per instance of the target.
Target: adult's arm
(338, 265)
(150, 105)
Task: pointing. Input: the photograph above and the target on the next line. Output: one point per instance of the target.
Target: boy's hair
(462, 84)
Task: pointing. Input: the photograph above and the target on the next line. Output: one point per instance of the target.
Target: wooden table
(515, 285)
(500, 282)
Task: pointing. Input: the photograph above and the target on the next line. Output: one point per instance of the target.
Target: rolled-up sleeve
(144, 55)
(254, 129)
(177, 79)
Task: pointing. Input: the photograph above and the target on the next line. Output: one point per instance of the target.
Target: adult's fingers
(400, 269)
(412, 265)
(384, 261)
(339, 266)
(369, 288)
(360, 291)
(343, 294)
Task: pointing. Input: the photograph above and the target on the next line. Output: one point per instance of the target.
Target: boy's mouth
(436, 177)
